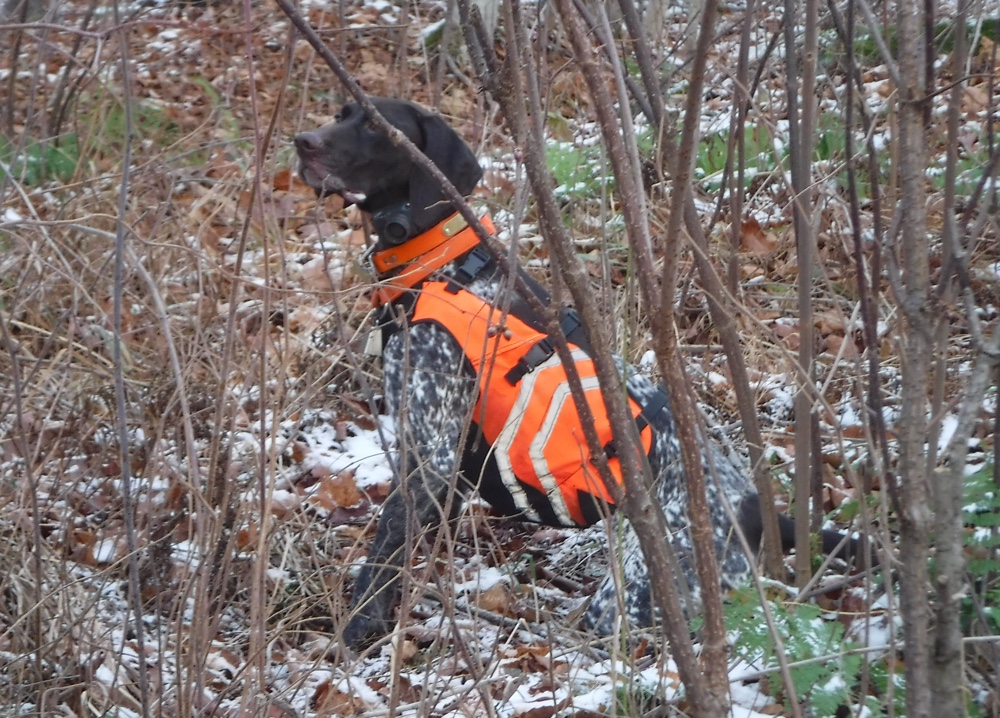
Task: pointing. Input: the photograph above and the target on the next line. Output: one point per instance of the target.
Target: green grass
(40, 162)
(149, 121)
(762, 157)
(57, 159)
(580, 171)
(636, 699)
(867, 54)
(228, 123)
(971, 165)
(714, 148)
(101, 133)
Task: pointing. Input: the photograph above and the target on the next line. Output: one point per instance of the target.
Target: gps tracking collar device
(393, 224)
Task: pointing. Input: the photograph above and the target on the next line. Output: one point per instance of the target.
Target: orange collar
(416, 258)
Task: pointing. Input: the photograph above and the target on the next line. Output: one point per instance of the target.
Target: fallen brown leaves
(298, 303)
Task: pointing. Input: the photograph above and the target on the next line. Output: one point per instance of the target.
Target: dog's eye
(344, 113)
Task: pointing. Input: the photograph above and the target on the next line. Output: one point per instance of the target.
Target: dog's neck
(406, 265)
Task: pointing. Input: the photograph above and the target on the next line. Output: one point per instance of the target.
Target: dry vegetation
(236, 377)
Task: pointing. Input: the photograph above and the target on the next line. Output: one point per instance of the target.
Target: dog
(454, 399)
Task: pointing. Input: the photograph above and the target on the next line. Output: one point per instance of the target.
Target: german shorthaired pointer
(433, 279)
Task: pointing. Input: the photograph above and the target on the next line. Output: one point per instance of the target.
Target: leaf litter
(490, 619)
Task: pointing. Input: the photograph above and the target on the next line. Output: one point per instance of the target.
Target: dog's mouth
(325, 184)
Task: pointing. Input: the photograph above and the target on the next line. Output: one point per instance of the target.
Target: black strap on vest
(543, 349)
(648, 411)
(475, 262)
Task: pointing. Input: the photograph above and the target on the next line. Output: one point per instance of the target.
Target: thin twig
(124, 435)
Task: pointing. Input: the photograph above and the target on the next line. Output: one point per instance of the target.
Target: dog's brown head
(353, 158)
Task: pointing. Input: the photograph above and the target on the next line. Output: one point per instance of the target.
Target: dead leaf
(829, 324)
(834, 459)
(406, 650)
(283, 502)
(775, 709)
(364, 417)
(287, 179)
(986, 54)
(82, 543)
(792, 341)
(316, 231)
(246, 538)
(975, 100)
(834, 343)
(540, 711)
(496, 599)
(338, 491)
(319, 276)
(373, 73)
(330, 701)
(854, 431)
(785, 328)
(754, 240)
(296, 451)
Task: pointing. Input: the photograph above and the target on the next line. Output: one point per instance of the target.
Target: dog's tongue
(353, 197)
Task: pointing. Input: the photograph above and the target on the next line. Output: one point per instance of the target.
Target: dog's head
(353, 158)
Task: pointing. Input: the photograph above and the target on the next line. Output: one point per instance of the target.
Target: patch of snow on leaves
(105, 551)
(185, 553)
(359, 450)
(485, 578)
(874, 630)
(357, 686)
(780, 395)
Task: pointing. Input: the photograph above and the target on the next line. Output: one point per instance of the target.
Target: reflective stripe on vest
(532, 426)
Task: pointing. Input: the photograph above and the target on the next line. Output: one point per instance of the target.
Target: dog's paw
(363, 630)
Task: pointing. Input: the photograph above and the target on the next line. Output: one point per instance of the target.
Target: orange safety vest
(531, 424)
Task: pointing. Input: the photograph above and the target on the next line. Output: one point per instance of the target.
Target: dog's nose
(308, 142)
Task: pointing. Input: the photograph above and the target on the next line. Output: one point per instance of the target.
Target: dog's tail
(856, 551)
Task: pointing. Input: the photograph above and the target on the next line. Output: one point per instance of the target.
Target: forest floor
(251, 405)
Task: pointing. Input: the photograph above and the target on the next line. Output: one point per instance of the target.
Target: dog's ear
(450, 153)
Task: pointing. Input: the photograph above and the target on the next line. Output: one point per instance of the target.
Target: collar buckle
(366, 262)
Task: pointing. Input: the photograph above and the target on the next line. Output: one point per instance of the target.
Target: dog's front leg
(419, 504)
(430, 390)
